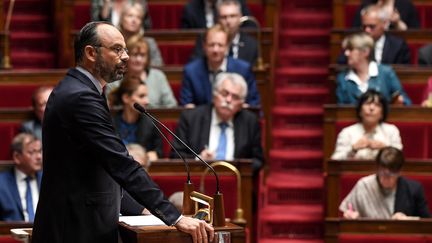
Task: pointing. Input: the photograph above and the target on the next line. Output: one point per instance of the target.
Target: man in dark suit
(202, 127)
(85, 163)
(389, 49)
(386, 194)
(19, 186)
(199, 75)
(201, 14)
(242, 46)
(425, 55)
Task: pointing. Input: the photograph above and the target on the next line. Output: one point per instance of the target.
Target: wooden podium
(158, 234)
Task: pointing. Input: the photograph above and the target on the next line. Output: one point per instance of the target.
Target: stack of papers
(142, 220)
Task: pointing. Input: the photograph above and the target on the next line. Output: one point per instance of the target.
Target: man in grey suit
(84, 162)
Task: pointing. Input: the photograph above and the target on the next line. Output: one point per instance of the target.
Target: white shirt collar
(215, 120)
(222, 67)
(20, 176)
(92, 78)
(363, 86)
(379, 48)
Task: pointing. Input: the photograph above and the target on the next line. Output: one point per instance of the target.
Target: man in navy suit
(19, 186)
(389, 49)
(85, 164)
(241, 45)
(199, 75)
(201, 127)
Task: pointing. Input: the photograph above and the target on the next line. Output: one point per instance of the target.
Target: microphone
(144, 111)
(187, 206)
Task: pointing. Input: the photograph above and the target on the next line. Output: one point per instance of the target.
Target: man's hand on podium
(196, 228)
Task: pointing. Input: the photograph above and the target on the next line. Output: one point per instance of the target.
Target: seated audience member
(201, 14)
(388, 49)
(129, 206)
(242, 46)
(110, 10)
(222, 130)
(363, 74)
(19, 186)
(386, 194)
(364, 139)
(425, 55)
(161, 95)
(402, 14)
(131, 126)
(39, 100)
(199, 75)
(131, 24)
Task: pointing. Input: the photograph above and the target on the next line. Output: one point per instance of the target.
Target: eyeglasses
(370, 26)
(384, 173)
(117, 49)
(225, 93)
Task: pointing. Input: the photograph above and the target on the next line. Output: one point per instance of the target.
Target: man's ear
(15, 157)
(90, 53)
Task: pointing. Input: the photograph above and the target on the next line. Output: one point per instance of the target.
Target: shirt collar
(380, 42)
(236, 39)
(92, 78)
(20, 175)
(222, 67)
(215, 120)
(373, 72)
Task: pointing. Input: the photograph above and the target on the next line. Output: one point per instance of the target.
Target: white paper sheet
(142, 220)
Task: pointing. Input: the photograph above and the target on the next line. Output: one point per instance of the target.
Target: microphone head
(139, 107)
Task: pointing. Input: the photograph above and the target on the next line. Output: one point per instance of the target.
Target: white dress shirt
(379, 47)
(22, 189)
(215, 131)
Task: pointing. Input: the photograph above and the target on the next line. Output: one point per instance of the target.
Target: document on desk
(141, 220)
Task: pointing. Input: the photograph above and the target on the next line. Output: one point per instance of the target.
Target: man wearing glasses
(85, 164)
(222, 130)
(386, 194)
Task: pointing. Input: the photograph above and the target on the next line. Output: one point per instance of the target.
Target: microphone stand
(6, 64)
(260, 62)
(219, 211)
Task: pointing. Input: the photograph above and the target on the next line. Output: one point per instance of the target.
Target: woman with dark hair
(364, 73)
(364, 139)
(131, 126)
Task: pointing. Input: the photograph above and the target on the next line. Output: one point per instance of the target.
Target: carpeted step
(291, 139)
(32, 59)
(32, 41)
(300, 116)
(299, 37)
(301, 75)
(306, 5)
(301, 95)
(304, 57)
(294, 187)
(32, 22)
(306, 20)
(292, 222)
(288, 240)
(304, 156)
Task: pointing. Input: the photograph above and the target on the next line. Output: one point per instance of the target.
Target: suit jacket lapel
(11, 180)
(237, 131)
(205, 84)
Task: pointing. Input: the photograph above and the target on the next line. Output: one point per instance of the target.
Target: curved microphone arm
(260, 62)
(144, 111)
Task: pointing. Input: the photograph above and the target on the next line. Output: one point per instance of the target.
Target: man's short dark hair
(86, 36)
(18, 141)
(372, 95)
(390, 158)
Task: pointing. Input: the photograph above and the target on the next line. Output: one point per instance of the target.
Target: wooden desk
(5, 227)
(157, 234)
(337, 168)
(336, 226)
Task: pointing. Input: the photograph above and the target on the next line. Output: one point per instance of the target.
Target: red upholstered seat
(17, 95)
(381, 238)
(82, 11)
(8, 239)
(7, 131)
(165, 15)
(170, 184)
(176, 54)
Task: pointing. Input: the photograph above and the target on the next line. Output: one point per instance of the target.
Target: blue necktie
(222, 145)
(29, 200)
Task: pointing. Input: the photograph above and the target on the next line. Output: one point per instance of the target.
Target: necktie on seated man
(29, 200)
(222, 145)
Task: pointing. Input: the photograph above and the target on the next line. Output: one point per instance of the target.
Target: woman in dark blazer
(131, 126)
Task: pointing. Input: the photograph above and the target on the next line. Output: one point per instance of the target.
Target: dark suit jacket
(146, 134)
(410, 198)
(85, 164)
(248, 48)
(408, 13)
(395, 51)
(425, 55)
(194, 129)
(197, 89)
(10, 201)
(194, 14)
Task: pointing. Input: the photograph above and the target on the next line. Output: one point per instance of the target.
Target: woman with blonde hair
(363, 74)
